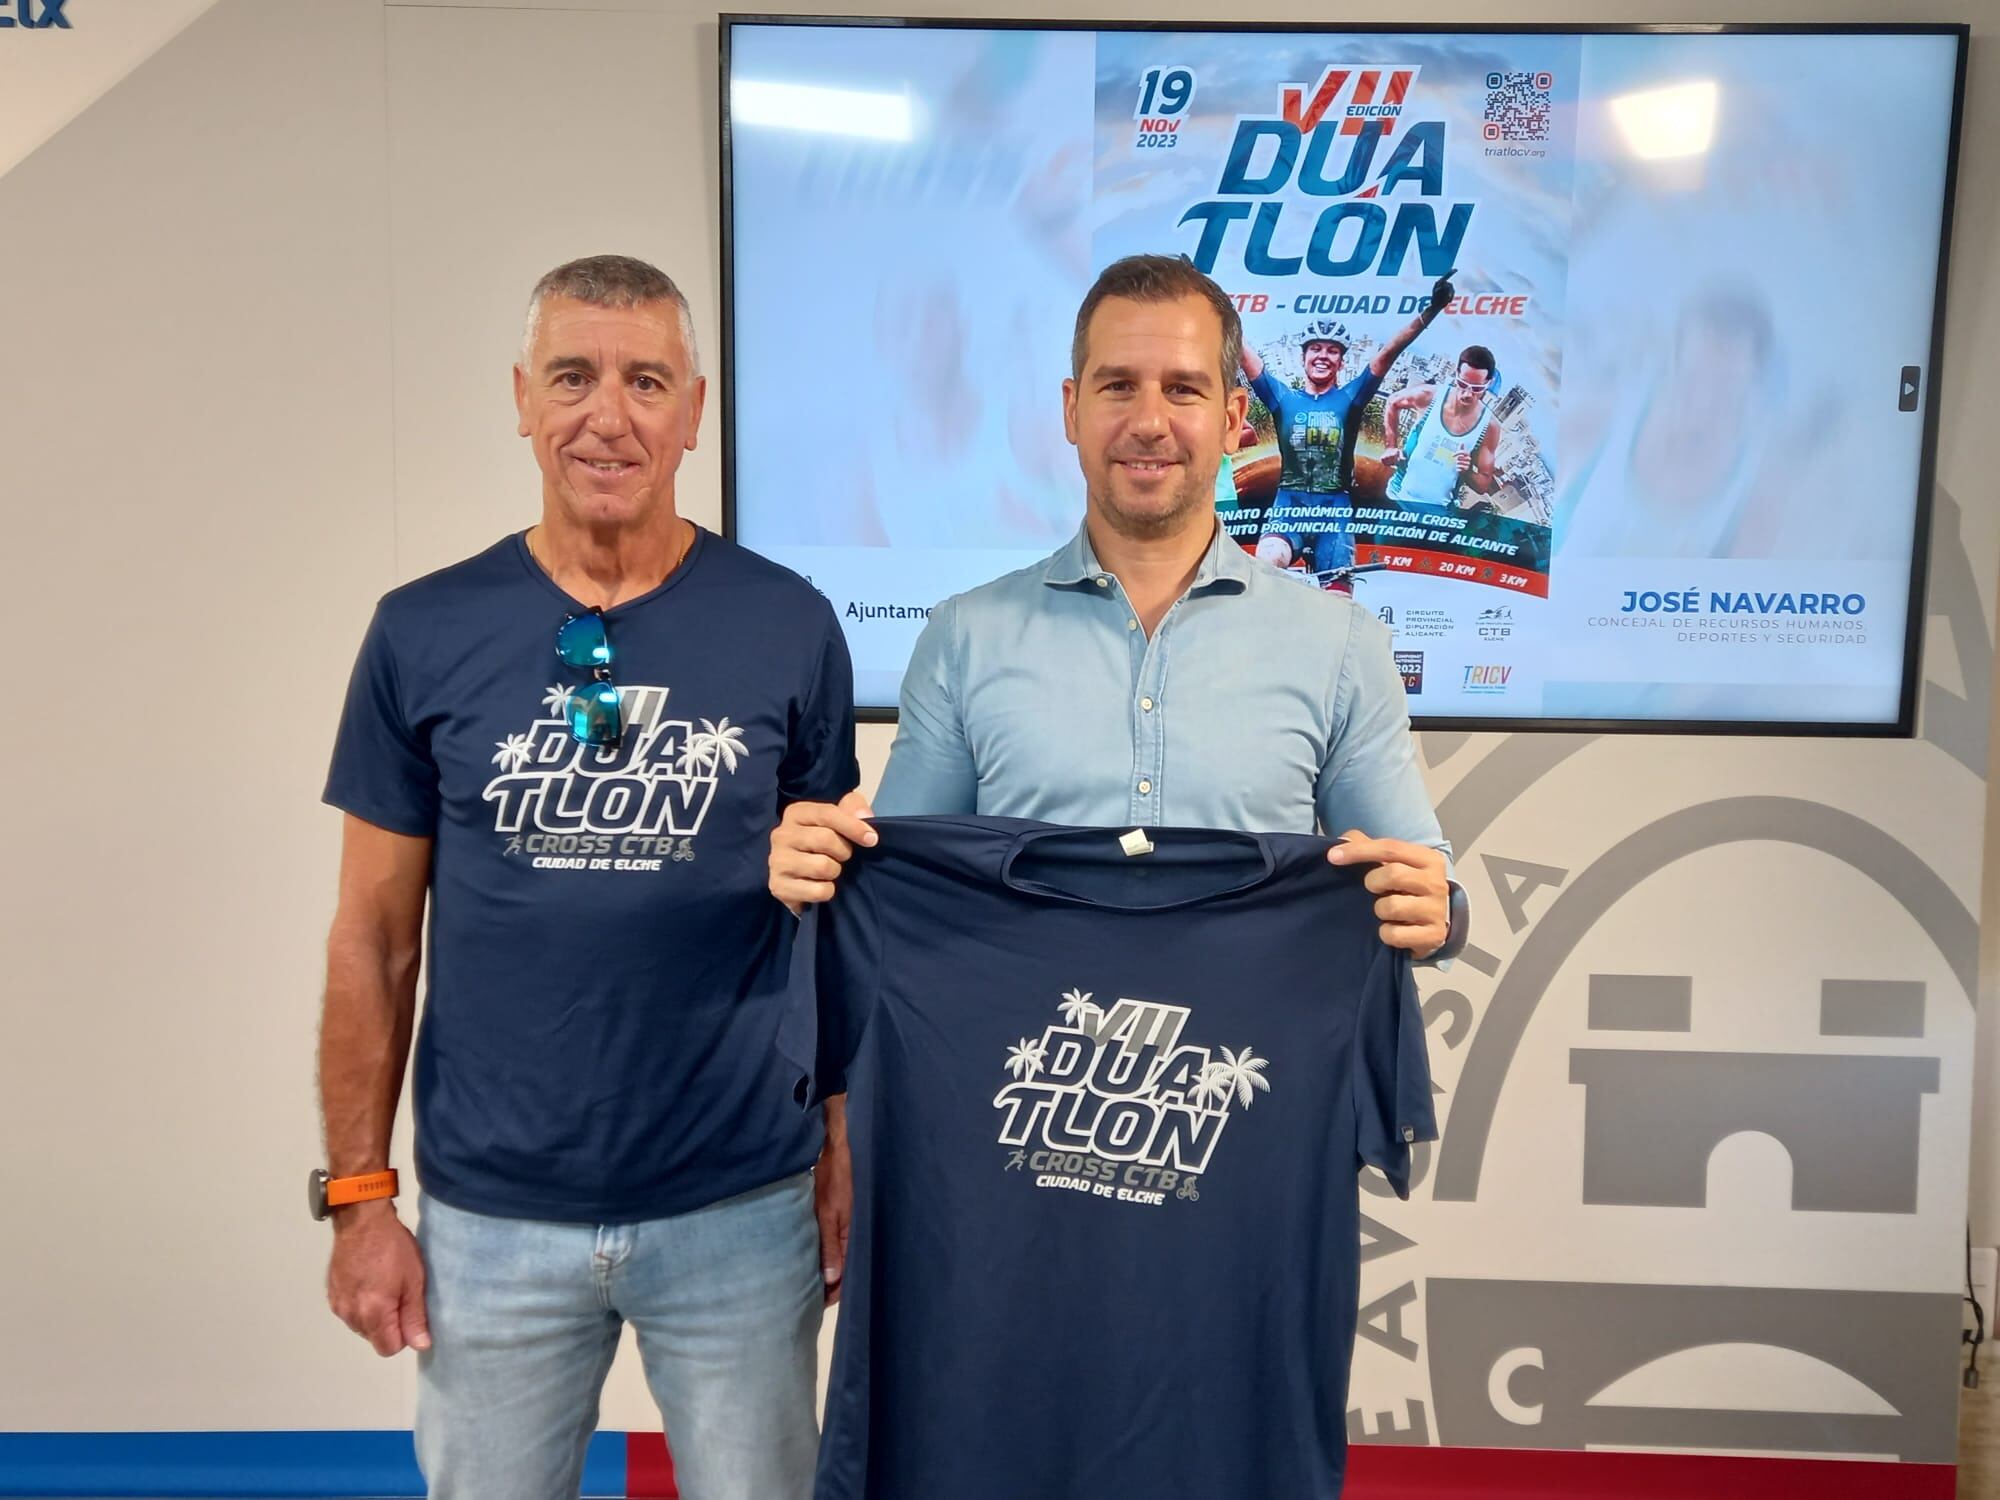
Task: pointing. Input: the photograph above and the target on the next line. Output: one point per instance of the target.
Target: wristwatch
(324, 1193)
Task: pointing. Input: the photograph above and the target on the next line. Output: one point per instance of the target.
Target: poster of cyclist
(1389, 215)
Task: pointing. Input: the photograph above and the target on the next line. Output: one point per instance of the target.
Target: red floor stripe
(649, 1468)
(1387, 1472)
(1382, 1472)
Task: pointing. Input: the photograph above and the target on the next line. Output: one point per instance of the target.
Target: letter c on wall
(1501, 1377)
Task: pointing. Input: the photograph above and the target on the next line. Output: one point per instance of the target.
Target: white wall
(199, 502)
(263, 301)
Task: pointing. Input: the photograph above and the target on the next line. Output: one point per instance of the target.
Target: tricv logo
(33, 15)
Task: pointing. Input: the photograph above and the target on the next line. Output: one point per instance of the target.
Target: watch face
(316, 1192)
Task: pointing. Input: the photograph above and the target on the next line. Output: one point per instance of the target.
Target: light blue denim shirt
(1259, 704)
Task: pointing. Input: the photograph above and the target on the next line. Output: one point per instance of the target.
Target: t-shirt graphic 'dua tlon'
(1106, 1111)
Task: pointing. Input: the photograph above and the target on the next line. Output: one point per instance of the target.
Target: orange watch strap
(344, 1190)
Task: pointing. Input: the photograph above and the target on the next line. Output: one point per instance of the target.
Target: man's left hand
(1412, 892)
(833, 1199)
(1442, 292)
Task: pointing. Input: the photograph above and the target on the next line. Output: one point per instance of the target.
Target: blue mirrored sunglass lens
(581, 642)
(594, 715)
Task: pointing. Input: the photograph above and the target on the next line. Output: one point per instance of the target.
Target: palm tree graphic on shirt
(1024, 1058)
(556, 699)
(512, 753)
(1210, 1091)
(714, 746)
(1239, 1075)
(1077, 1009)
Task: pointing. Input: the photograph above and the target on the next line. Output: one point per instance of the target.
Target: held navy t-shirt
(607, 968)
(1107, 1112)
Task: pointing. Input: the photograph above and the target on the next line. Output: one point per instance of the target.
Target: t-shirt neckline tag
(1135, 842)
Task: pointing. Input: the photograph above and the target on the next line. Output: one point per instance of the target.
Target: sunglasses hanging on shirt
(595, 710)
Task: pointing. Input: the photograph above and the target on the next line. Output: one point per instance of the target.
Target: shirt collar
(1074, 566)
(1225, 568)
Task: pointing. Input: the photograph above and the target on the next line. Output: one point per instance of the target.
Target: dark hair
(610, 281)
(1158, 278)
(1480, 358)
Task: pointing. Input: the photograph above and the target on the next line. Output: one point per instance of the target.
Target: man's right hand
(375, 1284)
(811, 844)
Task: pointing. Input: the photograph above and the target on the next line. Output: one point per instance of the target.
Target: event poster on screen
(1656, 459)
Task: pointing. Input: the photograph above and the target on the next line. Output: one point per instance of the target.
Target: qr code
(1517, 106)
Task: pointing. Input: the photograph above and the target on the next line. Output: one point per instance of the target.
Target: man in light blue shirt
(1150, 673)
(1254, 702)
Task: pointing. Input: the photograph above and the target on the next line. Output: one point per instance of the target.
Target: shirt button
(1102, 582)
(1145, 787)
(1147, 704)
(1131, 624)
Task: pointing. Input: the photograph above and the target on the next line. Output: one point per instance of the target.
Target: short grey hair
(1158, 278)
(609, 281)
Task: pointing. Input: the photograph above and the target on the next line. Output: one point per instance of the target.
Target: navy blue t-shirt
(1106, 1114)
(607, 967)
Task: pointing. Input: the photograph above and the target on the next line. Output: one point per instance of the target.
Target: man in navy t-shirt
(1317, 423)
(570, 748)
(1107, 1098)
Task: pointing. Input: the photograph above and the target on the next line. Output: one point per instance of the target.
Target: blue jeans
(525, 1318)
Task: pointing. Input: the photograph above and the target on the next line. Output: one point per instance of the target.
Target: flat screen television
(1663, 462)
